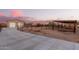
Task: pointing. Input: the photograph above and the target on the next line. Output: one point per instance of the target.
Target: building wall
(15, 24)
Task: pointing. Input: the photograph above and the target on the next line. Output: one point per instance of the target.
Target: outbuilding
(15, 23)
(66, 25)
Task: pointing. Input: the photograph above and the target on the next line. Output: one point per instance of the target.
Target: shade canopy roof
(66, 21)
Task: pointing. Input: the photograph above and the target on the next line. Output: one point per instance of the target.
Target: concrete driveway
(12, 39)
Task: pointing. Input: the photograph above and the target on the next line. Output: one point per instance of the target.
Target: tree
(51, 25)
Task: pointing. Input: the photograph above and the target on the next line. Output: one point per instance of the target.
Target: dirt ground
(69, 36)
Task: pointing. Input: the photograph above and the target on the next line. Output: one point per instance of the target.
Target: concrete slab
(12, 39)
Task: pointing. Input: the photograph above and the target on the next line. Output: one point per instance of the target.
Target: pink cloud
(2, 14)
(16, 13)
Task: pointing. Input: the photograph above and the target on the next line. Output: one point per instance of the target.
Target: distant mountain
(25, 19)
(3, 19)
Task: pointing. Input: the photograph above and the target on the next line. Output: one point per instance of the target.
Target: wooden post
(53, 25)
(74, 29)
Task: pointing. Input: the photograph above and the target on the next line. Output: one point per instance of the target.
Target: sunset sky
(42, 13)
